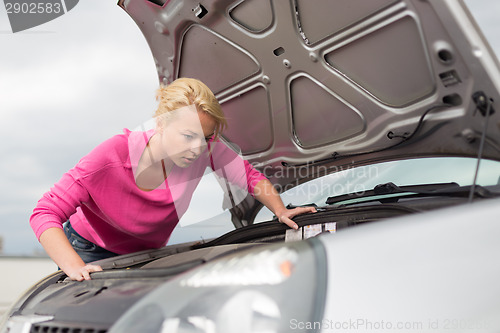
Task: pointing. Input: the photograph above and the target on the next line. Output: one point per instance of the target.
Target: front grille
(54, 327)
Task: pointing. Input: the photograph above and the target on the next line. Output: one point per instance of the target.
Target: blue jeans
(87, 250)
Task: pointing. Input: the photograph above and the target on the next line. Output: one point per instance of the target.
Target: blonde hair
(187, 91)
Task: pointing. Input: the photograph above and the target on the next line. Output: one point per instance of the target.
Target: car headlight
(9, 322)
(269, 289)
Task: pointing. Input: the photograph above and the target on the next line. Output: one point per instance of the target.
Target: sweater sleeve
(229, 165)
(58, 204)
(62, 200)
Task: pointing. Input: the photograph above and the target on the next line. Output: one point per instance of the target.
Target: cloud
(65, 86)
(485, 13)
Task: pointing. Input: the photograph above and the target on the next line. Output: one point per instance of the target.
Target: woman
(128, 193)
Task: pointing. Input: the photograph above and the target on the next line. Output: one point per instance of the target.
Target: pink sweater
(101, 199)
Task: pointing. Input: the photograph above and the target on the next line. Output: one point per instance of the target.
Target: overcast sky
(65, 86)
(71, 83)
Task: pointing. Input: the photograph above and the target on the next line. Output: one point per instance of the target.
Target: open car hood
(333, 83)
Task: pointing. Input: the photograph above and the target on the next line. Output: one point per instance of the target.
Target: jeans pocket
(81, 244)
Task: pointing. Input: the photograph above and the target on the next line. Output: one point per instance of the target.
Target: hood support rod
(483, 105)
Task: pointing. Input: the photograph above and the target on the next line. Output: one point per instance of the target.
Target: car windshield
(402, 173)
(206, 218)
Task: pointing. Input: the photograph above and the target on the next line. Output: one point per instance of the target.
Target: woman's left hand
(265, 192)
(286, 216)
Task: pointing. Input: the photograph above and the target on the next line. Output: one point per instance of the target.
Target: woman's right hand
(60, 250)
(83, 272)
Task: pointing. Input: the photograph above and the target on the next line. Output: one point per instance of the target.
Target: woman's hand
(265, 192)
(83, 272)
(286, 215)
(60, 250)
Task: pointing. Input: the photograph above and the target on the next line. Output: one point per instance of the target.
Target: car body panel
(428, 271)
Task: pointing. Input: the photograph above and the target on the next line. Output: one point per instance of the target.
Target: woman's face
(184, 136)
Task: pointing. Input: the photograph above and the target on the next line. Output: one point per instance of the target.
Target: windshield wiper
(391, 193)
